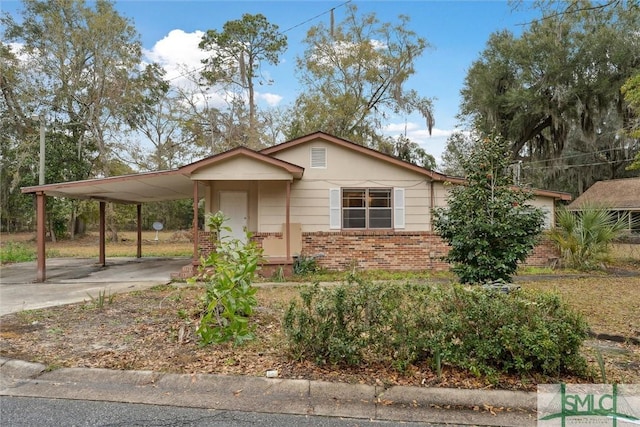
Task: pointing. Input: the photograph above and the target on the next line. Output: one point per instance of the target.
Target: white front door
(234, 205)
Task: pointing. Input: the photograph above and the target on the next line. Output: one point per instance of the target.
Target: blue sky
(457, 30)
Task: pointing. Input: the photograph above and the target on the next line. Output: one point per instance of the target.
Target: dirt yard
(155, 330)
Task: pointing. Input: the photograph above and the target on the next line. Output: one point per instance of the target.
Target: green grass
(87, 246)
(16, 252)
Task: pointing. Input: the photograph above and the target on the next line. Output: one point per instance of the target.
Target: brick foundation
(376, 250)
(383, 250)
(205, 243)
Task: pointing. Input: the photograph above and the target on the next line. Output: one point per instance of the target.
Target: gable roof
(146, 187)
(435, 176)
(295, 170)
(615, 194)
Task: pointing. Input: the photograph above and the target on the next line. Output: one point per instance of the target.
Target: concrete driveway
(71, 280)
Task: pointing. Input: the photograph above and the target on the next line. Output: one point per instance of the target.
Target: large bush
(488, 331)
(480, 330)
(488, 222)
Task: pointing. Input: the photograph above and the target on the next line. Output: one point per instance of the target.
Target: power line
(317, 16)
(572, 156)
(565, 166)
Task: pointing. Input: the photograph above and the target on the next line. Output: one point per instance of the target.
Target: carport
(129, 189)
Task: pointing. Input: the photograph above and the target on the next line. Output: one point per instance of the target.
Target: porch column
(288, 220)
(139, 248)
(196, 258)
(41, 236)
(101, 257)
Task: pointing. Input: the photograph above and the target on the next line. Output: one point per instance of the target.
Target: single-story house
(317, 195)
(621, 196)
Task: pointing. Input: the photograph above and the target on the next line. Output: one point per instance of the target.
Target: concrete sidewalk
(274, 395)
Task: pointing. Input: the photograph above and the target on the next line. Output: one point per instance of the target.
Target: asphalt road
(30, 411)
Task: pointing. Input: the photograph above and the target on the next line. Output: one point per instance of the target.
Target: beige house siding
(348, 169)
(272, 202)
(547, 204)
(240, 169)
(441, 192)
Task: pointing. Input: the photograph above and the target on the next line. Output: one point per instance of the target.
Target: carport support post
(139, 248)
(40, 232)
(102, 258)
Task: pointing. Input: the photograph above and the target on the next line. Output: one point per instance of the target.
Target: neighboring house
(621, 196)
(318, 195)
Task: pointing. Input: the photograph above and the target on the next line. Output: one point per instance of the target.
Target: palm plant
(584, 237)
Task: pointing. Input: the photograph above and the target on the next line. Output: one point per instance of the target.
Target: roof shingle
(614, 194)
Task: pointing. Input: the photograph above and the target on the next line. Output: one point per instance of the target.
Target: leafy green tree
(488, 223)
(457, 149)
(77, 65)
(584, 237)
(554, 93)
(162, 126)
(631, 91)
(354, 76)
(237, 53)
(405, 149)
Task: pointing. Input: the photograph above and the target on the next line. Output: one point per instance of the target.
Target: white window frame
(397, 208)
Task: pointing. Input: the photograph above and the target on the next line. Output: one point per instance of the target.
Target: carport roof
(147, 187)
(135, 188)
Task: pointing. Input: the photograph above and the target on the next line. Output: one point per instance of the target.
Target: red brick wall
(379, 250)
(544, 254)
(384, 250)
(389, 250)
(205, 243)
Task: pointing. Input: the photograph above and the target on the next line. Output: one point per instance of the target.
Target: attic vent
(318, 157)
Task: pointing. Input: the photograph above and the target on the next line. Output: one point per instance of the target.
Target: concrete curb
(273, 395)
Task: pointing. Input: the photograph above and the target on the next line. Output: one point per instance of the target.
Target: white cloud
(395, 128)
(178, 51)
(271, 99)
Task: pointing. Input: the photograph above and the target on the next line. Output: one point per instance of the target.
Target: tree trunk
(52, 232)
(113, 228)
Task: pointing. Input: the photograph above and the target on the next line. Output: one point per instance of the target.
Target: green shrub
(488, 332)
(584, 237)
(351, 324)
(483, 331)
(488, 223)
(228, 273)
(16, 252)
(305, 265)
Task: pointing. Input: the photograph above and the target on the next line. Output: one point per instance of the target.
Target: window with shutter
(366, 208)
